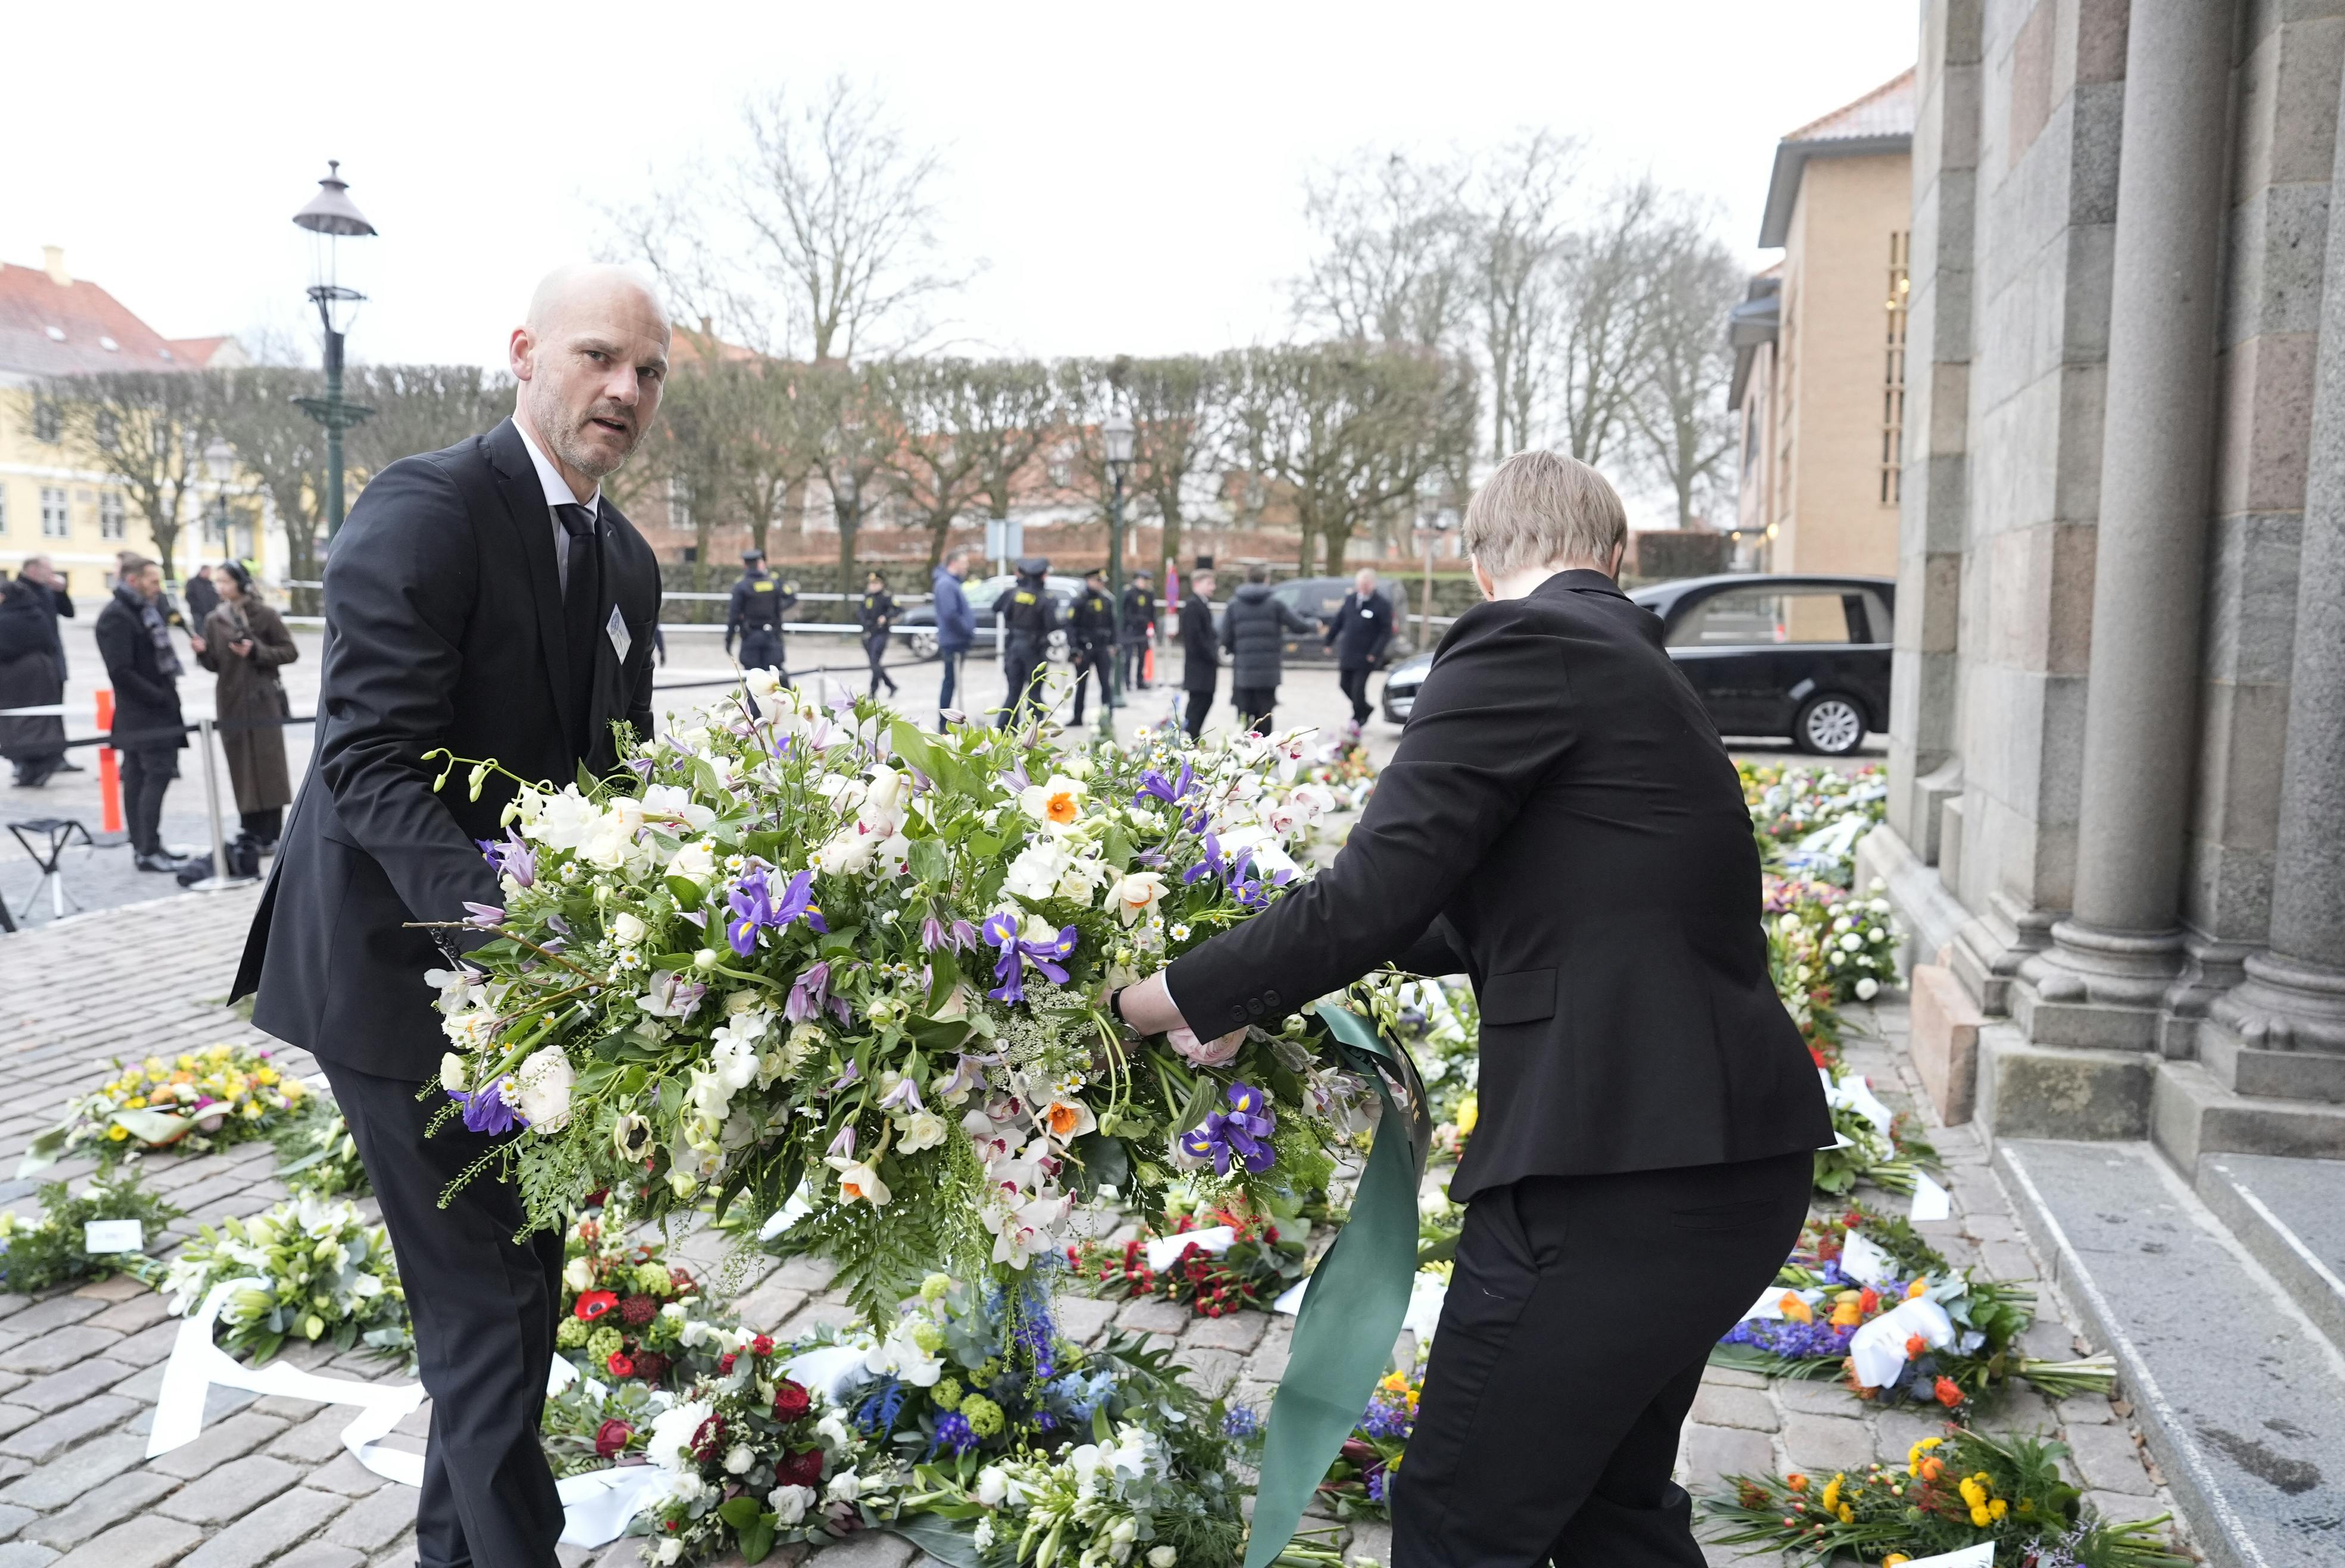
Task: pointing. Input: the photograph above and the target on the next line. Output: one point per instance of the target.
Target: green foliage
(47, 1249)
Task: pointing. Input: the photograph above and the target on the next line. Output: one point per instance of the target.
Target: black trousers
(1356, 686)
(1092, 659)
(1193, 711)
(1550, 1420)
(1023, 674)
(1132, 666)
(483, 1307)
(1253, 704)
(147, 772)
(951, 659)
(265, 825)
(875, 648)
(761, 650)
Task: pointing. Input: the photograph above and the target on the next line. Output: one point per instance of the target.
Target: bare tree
(1600, 330)
(1346, 435)
(146, 429)
(1519, 234)
(855, 431)
(278, 444)
(1391, 266)
(1177, 405)
(972, 427)
(421, 409)
(1680, 410)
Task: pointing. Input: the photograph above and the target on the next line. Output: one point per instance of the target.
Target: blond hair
(1543, 507)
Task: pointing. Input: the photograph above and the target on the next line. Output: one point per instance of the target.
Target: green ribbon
(1359, 1293)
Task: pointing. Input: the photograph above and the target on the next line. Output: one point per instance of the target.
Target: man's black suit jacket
(1561, 822)
(1201, 650)
(444, 627)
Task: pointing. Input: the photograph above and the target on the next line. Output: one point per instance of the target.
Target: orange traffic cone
(109, 770)
(1148, 666)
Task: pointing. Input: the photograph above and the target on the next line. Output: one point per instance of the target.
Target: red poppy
(593, 1304)
(620, 1364)
(790, 1399)
(1947, 1392)
(611, 1439)
(800, 1469)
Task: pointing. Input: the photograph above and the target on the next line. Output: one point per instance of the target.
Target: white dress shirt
(559, 494)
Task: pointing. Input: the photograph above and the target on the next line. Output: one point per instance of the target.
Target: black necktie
(581, 598)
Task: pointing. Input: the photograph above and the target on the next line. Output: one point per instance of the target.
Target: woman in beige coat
(245, 642)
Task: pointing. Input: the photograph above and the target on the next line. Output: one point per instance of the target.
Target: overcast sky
(1131, 177)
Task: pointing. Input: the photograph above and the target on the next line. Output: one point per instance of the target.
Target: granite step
(2290, 1213)
(2240, 1396)
(2193, 1115)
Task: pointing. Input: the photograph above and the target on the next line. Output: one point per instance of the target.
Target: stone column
(2121, 944)
(2294, 996)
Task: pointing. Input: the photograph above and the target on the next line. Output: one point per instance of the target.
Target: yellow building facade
(54, 500)
(1819, 385)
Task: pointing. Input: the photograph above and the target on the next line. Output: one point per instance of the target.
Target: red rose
(611, 1439)
(762, 1345)
(637, 1310)
(800, 1469)
(790, 1399)
(1947, 1392)
(593, 1304)
(620, 1365)
(725, 1364)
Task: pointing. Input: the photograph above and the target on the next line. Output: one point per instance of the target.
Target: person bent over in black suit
(491, 600)
(1562, 824)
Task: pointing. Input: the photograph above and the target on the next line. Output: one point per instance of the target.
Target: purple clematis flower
(905, 1097)
(513, 858)
(489, 1109)
(673, 996)
(933, 934)
(808, 993)
(1239, 1136)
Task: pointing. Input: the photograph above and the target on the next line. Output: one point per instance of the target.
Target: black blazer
(1560, 822)
(443, 628)
(146, 696)
(1201, 652)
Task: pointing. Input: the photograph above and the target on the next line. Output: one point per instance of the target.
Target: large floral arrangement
(197, 1101)
(745, 1456)
(1821, 939)
(1807, 819)
(39, 1251)
(1959, 1491)
(1213, 1258)
(1864, 1299)
(798, 947)
(325, 1274)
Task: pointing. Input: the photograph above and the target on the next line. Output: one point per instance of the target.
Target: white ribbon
(596, 1506)
(1165, 1251)
(1877, 1351)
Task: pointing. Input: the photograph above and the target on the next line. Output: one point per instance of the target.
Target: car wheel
(924, 645)
(1831, 726)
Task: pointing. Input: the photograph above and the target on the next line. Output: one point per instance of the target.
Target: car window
(1767, 617)
(1881, 621)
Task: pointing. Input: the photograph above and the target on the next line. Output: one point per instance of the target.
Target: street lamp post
(1116, 438)
(1433, 526)
(330, 216)
(220, 465)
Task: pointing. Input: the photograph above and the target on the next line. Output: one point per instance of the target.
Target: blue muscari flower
(1242, 1422)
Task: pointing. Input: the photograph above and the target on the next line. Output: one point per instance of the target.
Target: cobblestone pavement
(268, 1482)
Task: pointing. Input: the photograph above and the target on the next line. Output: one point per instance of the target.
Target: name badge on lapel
(616, 629)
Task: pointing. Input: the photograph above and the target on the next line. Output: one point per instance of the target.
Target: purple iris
(1001, 930)
(753, 905)
(512, 859)
(1240, 1135)
(1213, 865)
(1154, 784)
(808, 995)
(487, 1110)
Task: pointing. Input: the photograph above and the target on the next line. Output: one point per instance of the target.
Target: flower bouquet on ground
(47, 1249)
(1214, 1259)
(195, 1102)
(1951, 1493)
(320, 1154)
(1807, 819)
(817, 953)
(1866, 1299)
(1822, 938)
(626, 1312)
(592, 1425)
(1873, 1143)
(1358, 1483)
(326, 1276)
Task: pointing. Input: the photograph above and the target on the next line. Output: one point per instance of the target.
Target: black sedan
(1805, 658)
(1318, 599)
(918, 622)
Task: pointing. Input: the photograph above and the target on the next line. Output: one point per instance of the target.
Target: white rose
(739, 1458)
(696, 862)
(1867, 988)
(670, 1552)
(921, 1129)
(844, 1487)
(543, 1085)
(628, 931)
(789, 1504)
(1161, 1557)
(578, 1274)
(451, 1073)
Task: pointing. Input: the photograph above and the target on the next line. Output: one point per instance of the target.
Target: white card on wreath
(99, 1237)
(1979, 1556)
(1864, 1262)
(1930, 1202)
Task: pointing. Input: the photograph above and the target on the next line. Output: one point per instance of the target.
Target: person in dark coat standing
(877, 615)
(488, 599)
(33, 673)
(1022, 617)
(1200, 651)
(1359, 633)
(246, 643)
(202, 593)
(1139, 633)
(1091, 627)
(135, 640)
(761, 603)
(1253, 633)
(955, 626)
(1562, 825)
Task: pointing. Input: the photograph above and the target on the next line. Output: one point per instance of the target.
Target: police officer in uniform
(1139, 630)
(1092, 631)
(759, 606)
(877, 615)
(1023, 617)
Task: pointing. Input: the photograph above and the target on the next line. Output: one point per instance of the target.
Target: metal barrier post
(219, 879)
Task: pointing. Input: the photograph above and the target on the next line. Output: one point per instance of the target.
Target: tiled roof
(1886, 111)
(51, 329)
(200, 353)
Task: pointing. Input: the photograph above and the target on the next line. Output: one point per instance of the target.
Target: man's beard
(565, 439)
